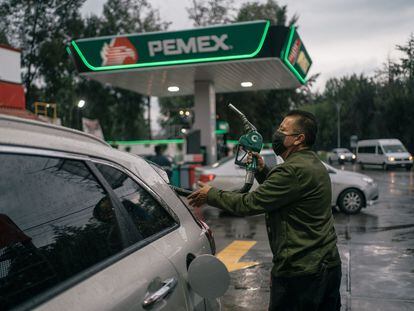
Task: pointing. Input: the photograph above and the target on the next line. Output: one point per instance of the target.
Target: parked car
(350, 191)
(385, 152)
(226, 175)
(88, 227)
(341, 155)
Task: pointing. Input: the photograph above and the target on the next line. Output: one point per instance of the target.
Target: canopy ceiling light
(173, 88)
(246, 84)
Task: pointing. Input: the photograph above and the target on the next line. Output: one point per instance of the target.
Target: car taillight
(206, 177)
(209, 235)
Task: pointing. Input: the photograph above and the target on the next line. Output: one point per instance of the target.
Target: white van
(385, 152)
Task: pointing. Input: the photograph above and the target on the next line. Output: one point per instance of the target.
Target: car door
(154, 222)
(66, 244)
(334, 156)
(334, 184)
(380, 157)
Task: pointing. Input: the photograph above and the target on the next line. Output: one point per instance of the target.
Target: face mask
(277, 143)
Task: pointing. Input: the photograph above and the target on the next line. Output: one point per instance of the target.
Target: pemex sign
(217, 43)
(295, 56)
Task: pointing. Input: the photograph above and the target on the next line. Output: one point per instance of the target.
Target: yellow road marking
(231, 255)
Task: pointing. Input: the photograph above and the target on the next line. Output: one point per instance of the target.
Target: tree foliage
(43, 29)
(271, 11)
(210, 12)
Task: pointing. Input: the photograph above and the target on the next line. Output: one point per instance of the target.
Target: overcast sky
(341, 36)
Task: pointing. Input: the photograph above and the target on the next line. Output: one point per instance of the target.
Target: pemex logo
(120, 51)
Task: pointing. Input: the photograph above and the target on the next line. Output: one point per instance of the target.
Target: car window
(270, 160)
(366, 149)
(55, 221)
(147, 214)
(394, 148)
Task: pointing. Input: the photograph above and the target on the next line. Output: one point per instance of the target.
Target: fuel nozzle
(248, 127)
(251, 141)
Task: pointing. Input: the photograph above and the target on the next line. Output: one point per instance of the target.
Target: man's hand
(260, 161)
(199, 197)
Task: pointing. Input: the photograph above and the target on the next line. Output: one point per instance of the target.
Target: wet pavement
(376, 247)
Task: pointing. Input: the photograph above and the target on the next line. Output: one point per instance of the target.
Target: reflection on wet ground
(376, 246)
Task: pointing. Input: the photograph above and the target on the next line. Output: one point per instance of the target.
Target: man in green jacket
(295, 197)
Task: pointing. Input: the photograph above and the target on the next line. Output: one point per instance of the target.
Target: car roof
(34, 134)
(369, 142)
(340, 149)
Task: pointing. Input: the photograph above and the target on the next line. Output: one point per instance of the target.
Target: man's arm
(261, 175)
(277, 191)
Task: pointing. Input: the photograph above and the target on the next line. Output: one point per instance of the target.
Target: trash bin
(185, 177)
(175, 176)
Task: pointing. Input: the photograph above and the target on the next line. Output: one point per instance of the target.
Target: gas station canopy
(234, 57)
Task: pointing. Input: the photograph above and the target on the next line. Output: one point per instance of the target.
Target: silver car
(350, 191)
(341, 155)
(84, 226)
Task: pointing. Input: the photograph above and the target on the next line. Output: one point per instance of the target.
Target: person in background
(159, 158)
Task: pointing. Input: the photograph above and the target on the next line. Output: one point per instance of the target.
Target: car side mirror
(208, 276)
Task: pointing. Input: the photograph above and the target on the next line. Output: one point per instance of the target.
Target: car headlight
(342, 157)
(410, 158)
(353, 156)
(368, 180)
(392, 159)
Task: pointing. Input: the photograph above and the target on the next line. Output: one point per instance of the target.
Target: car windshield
(393, 148)
(343, 150)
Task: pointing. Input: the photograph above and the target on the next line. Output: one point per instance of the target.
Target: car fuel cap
(208, 276)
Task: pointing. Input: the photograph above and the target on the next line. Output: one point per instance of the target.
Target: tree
(210, 12)
(271, 11)
(26, 24)
(407, 61)
(3, 38)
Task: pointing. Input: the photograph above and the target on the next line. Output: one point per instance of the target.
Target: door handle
(168, 287)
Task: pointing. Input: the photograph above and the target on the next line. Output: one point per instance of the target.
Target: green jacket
(296, 199)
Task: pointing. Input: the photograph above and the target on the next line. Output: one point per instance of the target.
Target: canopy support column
(205, 117)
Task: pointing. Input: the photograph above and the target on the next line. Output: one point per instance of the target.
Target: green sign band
(220, 43)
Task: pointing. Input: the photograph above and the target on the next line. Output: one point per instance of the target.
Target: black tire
(361, 166)
(329, 161)
(408, 168)
(351, 201)
(340, 162)
(385, 167)
(353, 161)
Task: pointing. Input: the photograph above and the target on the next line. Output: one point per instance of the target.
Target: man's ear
(300, 140)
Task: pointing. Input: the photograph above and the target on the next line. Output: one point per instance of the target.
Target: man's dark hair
(158, 150)
(306, 123)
